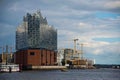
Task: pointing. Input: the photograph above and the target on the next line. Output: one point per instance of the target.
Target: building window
(32, 53)
(41, 55)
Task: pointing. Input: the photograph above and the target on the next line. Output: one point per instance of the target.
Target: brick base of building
(35, 57)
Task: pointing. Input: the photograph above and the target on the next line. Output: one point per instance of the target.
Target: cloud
(102, 48)
(97, 51)
(96, 5)
(88, 30)
(112, 48)
(7, 34)
(67, 5)
(6, 30)
(82, 19)
(82, 24)
(113, 4)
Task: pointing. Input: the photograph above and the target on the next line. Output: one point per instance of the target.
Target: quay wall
(48, 67)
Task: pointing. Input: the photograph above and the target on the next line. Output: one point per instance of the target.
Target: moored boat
(9, 68)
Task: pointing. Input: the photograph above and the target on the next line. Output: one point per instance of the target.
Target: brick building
(36, 57)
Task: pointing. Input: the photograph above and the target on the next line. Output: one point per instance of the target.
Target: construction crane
(75, 45)
(74, 50)
(5, 55)
(11, 48)
(2, 52)
(81, 50)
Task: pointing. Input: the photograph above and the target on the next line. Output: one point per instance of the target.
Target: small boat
(9, 68)
(64, 70)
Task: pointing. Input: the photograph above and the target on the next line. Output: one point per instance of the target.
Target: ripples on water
(91, 74)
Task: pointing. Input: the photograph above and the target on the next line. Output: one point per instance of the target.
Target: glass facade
(35, 32)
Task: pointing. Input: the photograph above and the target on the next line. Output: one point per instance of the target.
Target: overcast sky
(96, 23)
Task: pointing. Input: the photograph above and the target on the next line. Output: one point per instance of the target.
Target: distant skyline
(96, 23)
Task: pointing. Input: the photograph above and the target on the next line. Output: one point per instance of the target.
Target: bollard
(10, 69)
(20, 68)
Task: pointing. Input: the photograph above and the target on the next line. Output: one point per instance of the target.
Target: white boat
(9, 68)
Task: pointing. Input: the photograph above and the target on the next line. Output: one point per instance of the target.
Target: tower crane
(2, 52)
(74, 51)
(75, 45)
(81, 50)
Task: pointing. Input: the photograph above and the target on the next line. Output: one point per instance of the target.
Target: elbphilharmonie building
(35, 33)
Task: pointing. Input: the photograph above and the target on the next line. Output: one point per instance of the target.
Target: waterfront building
(35, 32)
(36, 42)
(36, 57)
(67, 57)
(64, 55)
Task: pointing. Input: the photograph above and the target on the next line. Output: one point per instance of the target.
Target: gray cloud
(72, 18)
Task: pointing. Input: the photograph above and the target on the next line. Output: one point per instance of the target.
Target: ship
(9, 68)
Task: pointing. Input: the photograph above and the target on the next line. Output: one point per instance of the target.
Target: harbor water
(86, 74)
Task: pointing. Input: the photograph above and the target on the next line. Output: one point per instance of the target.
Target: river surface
(87, 74)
